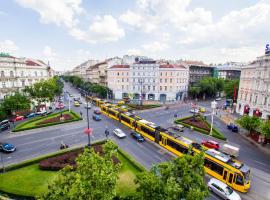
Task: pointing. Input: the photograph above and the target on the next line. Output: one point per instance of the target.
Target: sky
(69, 32)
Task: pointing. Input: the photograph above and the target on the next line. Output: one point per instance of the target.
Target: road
(42, 141)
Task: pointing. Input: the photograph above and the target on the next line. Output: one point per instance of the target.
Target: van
(4, 125)
(230, 150)
(178, 127)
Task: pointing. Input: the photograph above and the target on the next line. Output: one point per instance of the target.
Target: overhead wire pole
(88, 128)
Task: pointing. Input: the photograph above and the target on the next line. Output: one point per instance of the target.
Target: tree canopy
(94, 178)
(265, 128)
(182, 178)
(229, 88)
(249, 123)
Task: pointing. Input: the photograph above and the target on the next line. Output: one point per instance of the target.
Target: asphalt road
(42, 141)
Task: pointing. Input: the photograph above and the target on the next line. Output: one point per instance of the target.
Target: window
(148, 87)
(177, 146)
(154, 88)
(256, 98)
(171, 80)
(160, 88)
(147, 131)
(166, 73)
(2, 73)
(170, 88)
(171, 73)
(160, 80)
(11, 73)
(122, 79)
(41, 73)
(4, 84)
(165, 88)
(239, 180)
(118, 74)
(122, 87)
(35, 73)
(213, 166)
(22, 74)
(165, 80)
(265, 101)
(125, 119)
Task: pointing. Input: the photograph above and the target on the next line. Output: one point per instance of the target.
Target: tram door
(157, 136)
(230, 179)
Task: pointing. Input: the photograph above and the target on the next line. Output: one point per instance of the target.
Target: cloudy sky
(68, 32)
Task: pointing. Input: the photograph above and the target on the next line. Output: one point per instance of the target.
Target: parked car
(30, 115)
(233, 127)
(119, 133)
(210, 144)
(196, 145)
(60, 106)
(194, 111)
(41, 112)
(97, 112)
(7, 147)
(17, 118)
(4, 125)
(137, 136)
(47, 113)
(178, 127)
(76, 103)
(202, 110)
(218, 99)
(222, 190)
(96, 118)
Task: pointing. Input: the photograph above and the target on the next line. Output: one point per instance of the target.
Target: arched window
(2, 73)
(11, 73)
(35, 73)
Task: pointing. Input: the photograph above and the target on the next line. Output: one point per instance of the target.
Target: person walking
(81, 113)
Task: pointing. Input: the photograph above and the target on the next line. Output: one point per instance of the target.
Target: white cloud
(155, 47)
(48, 52)
(55, 11)
(131, 18)
(135, 52)
(8, 46)
(103, 29)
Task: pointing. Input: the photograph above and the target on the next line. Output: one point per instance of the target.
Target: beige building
(149, 80)
(254, 88)
(81, 70)
(16, 73)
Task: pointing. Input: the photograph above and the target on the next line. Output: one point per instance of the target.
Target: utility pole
(89, 141)
(213, 106)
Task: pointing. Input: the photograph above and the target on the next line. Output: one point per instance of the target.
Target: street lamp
(213, 106)
(88, 131)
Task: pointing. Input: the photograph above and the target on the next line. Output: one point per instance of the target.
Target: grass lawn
(143, 107)
(31, 181)
(31, 124)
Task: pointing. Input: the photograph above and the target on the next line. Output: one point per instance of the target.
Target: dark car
(47, 113)
(30, 115)
(97, 112)
(7, 147)
(4, 125)
(96, 118)
(137, 136)
(233, 128)
(196, 146)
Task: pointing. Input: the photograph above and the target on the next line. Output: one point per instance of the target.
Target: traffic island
(30, 179)
(143, 107)
(198, 123)
(49, 120)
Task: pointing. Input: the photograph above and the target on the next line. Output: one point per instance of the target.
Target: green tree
(229, 88)
(15, 102)
(194, 91)
(182, 178)
(94, 178)
(249, 123)
(265, 128)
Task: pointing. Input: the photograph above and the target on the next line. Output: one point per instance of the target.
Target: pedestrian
(81, 113)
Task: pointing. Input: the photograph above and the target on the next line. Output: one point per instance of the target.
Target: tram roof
(153, 125)
(218, 155)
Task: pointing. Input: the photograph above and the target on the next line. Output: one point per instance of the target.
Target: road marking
(260, 163)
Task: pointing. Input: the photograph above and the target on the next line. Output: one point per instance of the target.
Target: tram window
(213, 166)
(125, 119)
(176, 146)
(225, 175)
(239, 180)
(147, 131)
(230, 178)
(111, 112)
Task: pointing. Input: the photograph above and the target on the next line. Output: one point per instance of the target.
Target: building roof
(119, 66)
(193, 62)
(171, 66)
(31, 63)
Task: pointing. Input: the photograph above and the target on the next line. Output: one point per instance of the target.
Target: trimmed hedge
(38, 159)
(215, 133)
(143, 107)
(18, 128)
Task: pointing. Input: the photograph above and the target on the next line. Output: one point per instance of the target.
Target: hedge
(215, 133)
(38, 159)
(75, 115)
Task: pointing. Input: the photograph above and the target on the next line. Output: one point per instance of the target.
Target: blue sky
(68, 32)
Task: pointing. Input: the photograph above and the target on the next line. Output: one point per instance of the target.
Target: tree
(194, 91)
(94, 178)
(229, 88)
(265, 128)
(15, 102)
(249, 123)
(182, 178)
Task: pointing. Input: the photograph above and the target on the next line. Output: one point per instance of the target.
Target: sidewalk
(230, 118)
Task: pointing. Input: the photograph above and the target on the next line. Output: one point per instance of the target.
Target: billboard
(267, 49)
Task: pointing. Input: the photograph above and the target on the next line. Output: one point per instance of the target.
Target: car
(97, 112)
(137, 136)
(41, 112)
(119, 133)
(76, 98)
(47, 113)
(233, 127)
(30, 115)
(202, 110)
(4, 125)
(218, 99)
(210, 144)
(178, 127)
(71, 95)
(60, 106)
(196, 145)
(7, 147)
(96, 118)
(17, 118)
(222, 190)
(88, 106)
(76, 103)
(196, 111)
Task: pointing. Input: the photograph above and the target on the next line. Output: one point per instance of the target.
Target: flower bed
(143, 107)
(198, 122)
(55, 119)
(69, 158)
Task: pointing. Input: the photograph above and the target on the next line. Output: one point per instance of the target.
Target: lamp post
(88, 130)
(213, 106)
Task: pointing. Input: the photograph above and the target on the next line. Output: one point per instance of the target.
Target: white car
(119, 133)
(194, 111)
(41, 112)
(218, 99)
(222, 190)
